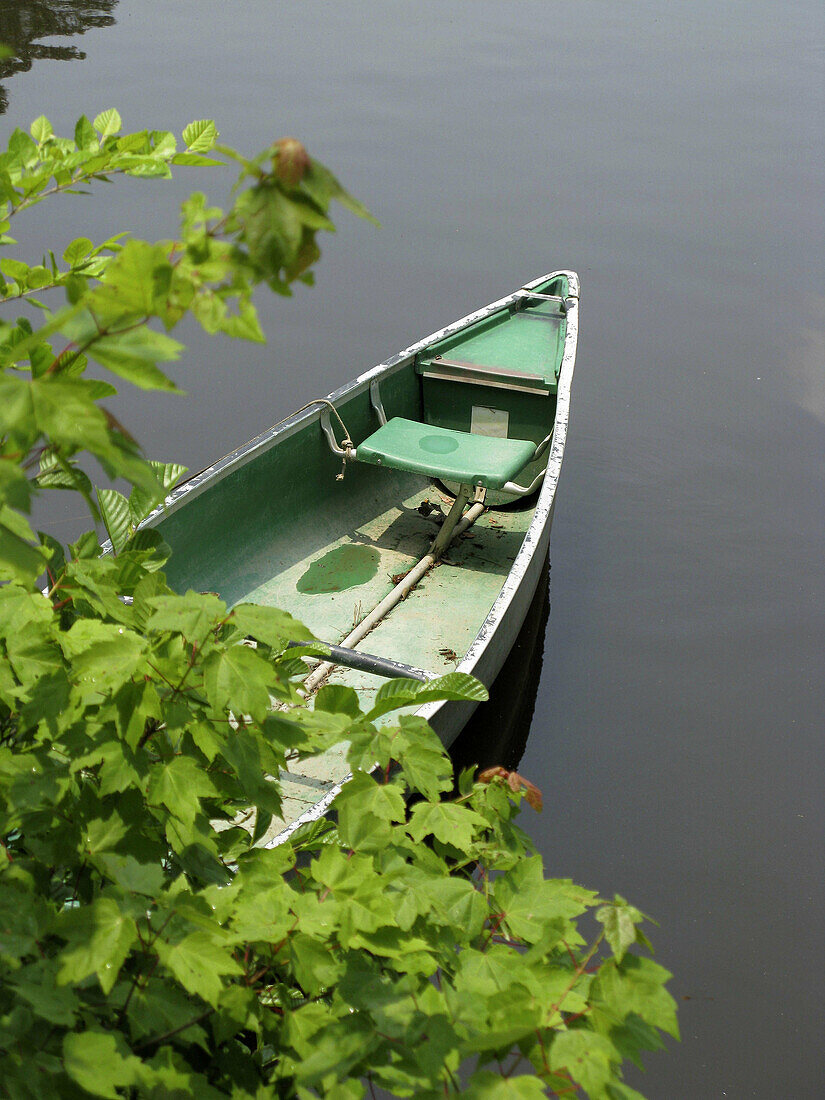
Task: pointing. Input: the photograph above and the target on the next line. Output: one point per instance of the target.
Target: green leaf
(100, 937)
(272, 230)
(57, 561)
(454, 685)
(16, 522)
(244, 325)
(133, 356)
(160, 1007)
(486, 1085)
(586, 1056)
(86, 546)
(424, 762)
(633, 1036)
(19, 607)
(322, 186)
(619, 920)
(153, 168)
(141, 503)
(196, 160)
(18, 559)
(129, 874)
(19, 923)
(456, 903)
(173, 1076)
(534, 906)
(39, 276)
(192, 615)
(452, 824)
(237, 679)
(338, 699)
(84, 134)
(200, 136)
(164, 143)
(179, 784)
(41, 129)
(78, 250)
(636, 985)
(107, 123)
(104, 655)
(100, 1062)
(36, 984)
(401, 693)
(199, 964)
(154, 552)
(135, 285)
(134, 143)
(15, 489)
(269, 625)
(335, 1050)
(362, 806)
(242, 752)
(316, 967)
(23, 151)
(15, 269)
(17, 415)
(65, 411)
(103, 833)
(55, 474)
(102, 583)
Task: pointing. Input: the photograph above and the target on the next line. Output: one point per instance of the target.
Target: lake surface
(672, 154)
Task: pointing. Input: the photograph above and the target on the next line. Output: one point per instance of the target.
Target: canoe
(406, 516)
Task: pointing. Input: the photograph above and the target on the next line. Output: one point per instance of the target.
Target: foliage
(146, 945)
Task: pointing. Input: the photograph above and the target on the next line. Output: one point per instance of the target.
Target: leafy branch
(41, 164)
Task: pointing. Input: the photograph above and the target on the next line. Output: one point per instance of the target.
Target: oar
(368, 662)
(350, 658)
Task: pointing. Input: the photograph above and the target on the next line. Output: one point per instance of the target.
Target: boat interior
(467, 418)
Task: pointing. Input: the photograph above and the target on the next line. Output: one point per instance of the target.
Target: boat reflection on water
(497, 733)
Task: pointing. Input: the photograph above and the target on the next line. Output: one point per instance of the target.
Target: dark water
(672, 154)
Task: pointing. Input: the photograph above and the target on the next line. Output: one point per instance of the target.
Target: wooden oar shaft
(316, 678)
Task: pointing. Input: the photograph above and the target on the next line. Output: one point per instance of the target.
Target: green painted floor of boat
(334, 587)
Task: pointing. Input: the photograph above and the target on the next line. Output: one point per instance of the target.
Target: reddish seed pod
(532, 794)
(290, 161)
(489, 774)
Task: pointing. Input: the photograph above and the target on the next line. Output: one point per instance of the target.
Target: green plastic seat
(446, 454)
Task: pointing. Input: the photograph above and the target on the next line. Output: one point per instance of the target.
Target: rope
(347, 446)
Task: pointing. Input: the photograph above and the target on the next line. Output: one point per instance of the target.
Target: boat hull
(328, 551)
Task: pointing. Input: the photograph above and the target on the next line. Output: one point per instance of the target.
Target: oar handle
(368, 662)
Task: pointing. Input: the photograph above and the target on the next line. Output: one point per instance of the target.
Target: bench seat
(446, 454)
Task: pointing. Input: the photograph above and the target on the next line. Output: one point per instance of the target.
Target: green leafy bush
(147, 946)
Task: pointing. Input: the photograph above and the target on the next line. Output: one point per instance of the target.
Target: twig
(174, 1031)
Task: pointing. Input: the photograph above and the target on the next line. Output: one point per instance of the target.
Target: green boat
(405, 518)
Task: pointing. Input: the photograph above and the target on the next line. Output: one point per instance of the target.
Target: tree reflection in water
(23, 22)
